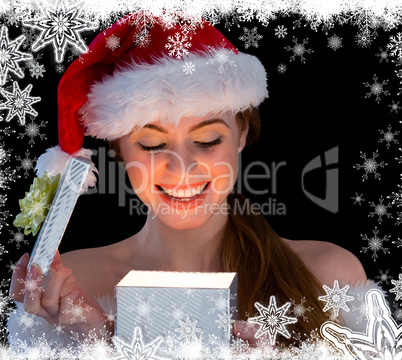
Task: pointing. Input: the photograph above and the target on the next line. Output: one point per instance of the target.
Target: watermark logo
(331, 200)
(248, 175)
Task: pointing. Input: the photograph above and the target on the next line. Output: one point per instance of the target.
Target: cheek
(139, 174)
(224, 172)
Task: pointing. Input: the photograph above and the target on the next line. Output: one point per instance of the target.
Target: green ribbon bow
(36, 203)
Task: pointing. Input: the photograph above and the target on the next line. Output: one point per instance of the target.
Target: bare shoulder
(329, 262)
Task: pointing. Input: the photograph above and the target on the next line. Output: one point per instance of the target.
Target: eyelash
(203, 145)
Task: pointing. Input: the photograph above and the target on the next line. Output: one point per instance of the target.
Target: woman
(175, 129)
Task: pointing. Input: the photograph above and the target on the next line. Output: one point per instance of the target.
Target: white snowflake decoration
(299, 310)
(361, 309)
(222, 56)
(336, 298)
(308, 351)
(113, 42)
(376, 88)
(18, 238)
(2, 251)
(178, 45)
(370, 165)
(60, 25)
(37, 70)
(221, 303)
(358, 199)
(142, 38)
(299, 50)
(272, 320)
(30, 285)
(384, 277)
(4, 304)
(26, 163)
(137, 350)
(59, 68)
(224, 321)
(281, 31)
(239, 346)
(208, 354)
(10, 56)
(383, 56)
(396, 197)
(389, 136)
(12, 17)
(58, 329)
(394, 107)
(4, 154)
(11, 266)
(177, 313)
(27, 321)
(32, 130)
(395, 46)
(375, 244)
(363, 39)
(334, 42)
(3, 218)
(30, 37)
(7, 131)
(19, 103)
(398, 288)
(380, 210)
(188, 329)
(188, 67)
(379, 341)
(250, 37)
(74, 53)
(76, 310)
(281, 68)
(7, 175)
(110, 317)
(398, 312)
(398, 242)
(143, 308)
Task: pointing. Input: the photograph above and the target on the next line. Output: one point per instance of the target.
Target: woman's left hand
(245, 331)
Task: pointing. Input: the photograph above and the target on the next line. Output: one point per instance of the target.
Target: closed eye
(203, 145)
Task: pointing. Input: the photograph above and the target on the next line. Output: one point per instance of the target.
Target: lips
(199, 191)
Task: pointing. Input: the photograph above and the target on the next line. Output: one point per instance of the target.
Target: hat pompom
(54, 162)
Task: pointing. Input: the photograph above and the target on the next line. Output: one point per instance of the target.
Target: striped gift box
(189, 313)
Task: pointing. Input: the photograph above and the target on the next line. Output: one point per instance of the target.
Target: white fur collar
(17, 324)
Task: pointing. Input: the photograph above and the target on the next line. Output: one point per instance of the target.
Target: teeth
(184, 193)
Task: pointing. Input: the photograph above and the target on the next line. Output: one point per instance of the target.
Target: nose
(180, 163)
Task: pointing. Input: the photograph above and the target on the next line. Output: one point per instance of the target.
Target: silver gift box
(185, 314)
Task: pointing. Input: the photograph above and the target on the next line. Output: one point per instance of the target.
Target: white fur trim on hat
(54, 162)
(141, 93)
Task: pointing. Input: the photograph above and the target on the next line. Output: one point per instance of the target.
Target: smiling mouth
(183, 198)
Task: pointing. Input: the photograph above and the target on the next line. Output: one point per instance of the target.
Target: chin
(185, 220)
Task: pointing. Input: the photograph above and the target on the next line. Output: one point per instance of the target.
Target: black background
(313, 107)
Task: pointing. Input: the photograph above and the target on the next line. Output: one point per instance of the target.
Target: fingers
(19, 272)
(73, 310)
(32, 292)
(56, 264)
(51, 297)
(246, 331)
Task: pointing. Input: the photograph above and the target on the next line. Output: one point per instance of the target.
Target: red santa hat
(134, 74)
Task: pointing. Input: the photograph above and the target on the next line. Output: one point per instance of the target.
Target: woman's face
(184, 173)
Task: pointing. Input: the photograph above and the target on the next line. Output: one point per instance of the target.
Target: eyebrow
(195, 127)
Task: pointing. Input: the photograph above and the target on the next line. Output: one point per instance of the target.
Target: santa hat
(144, 69)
